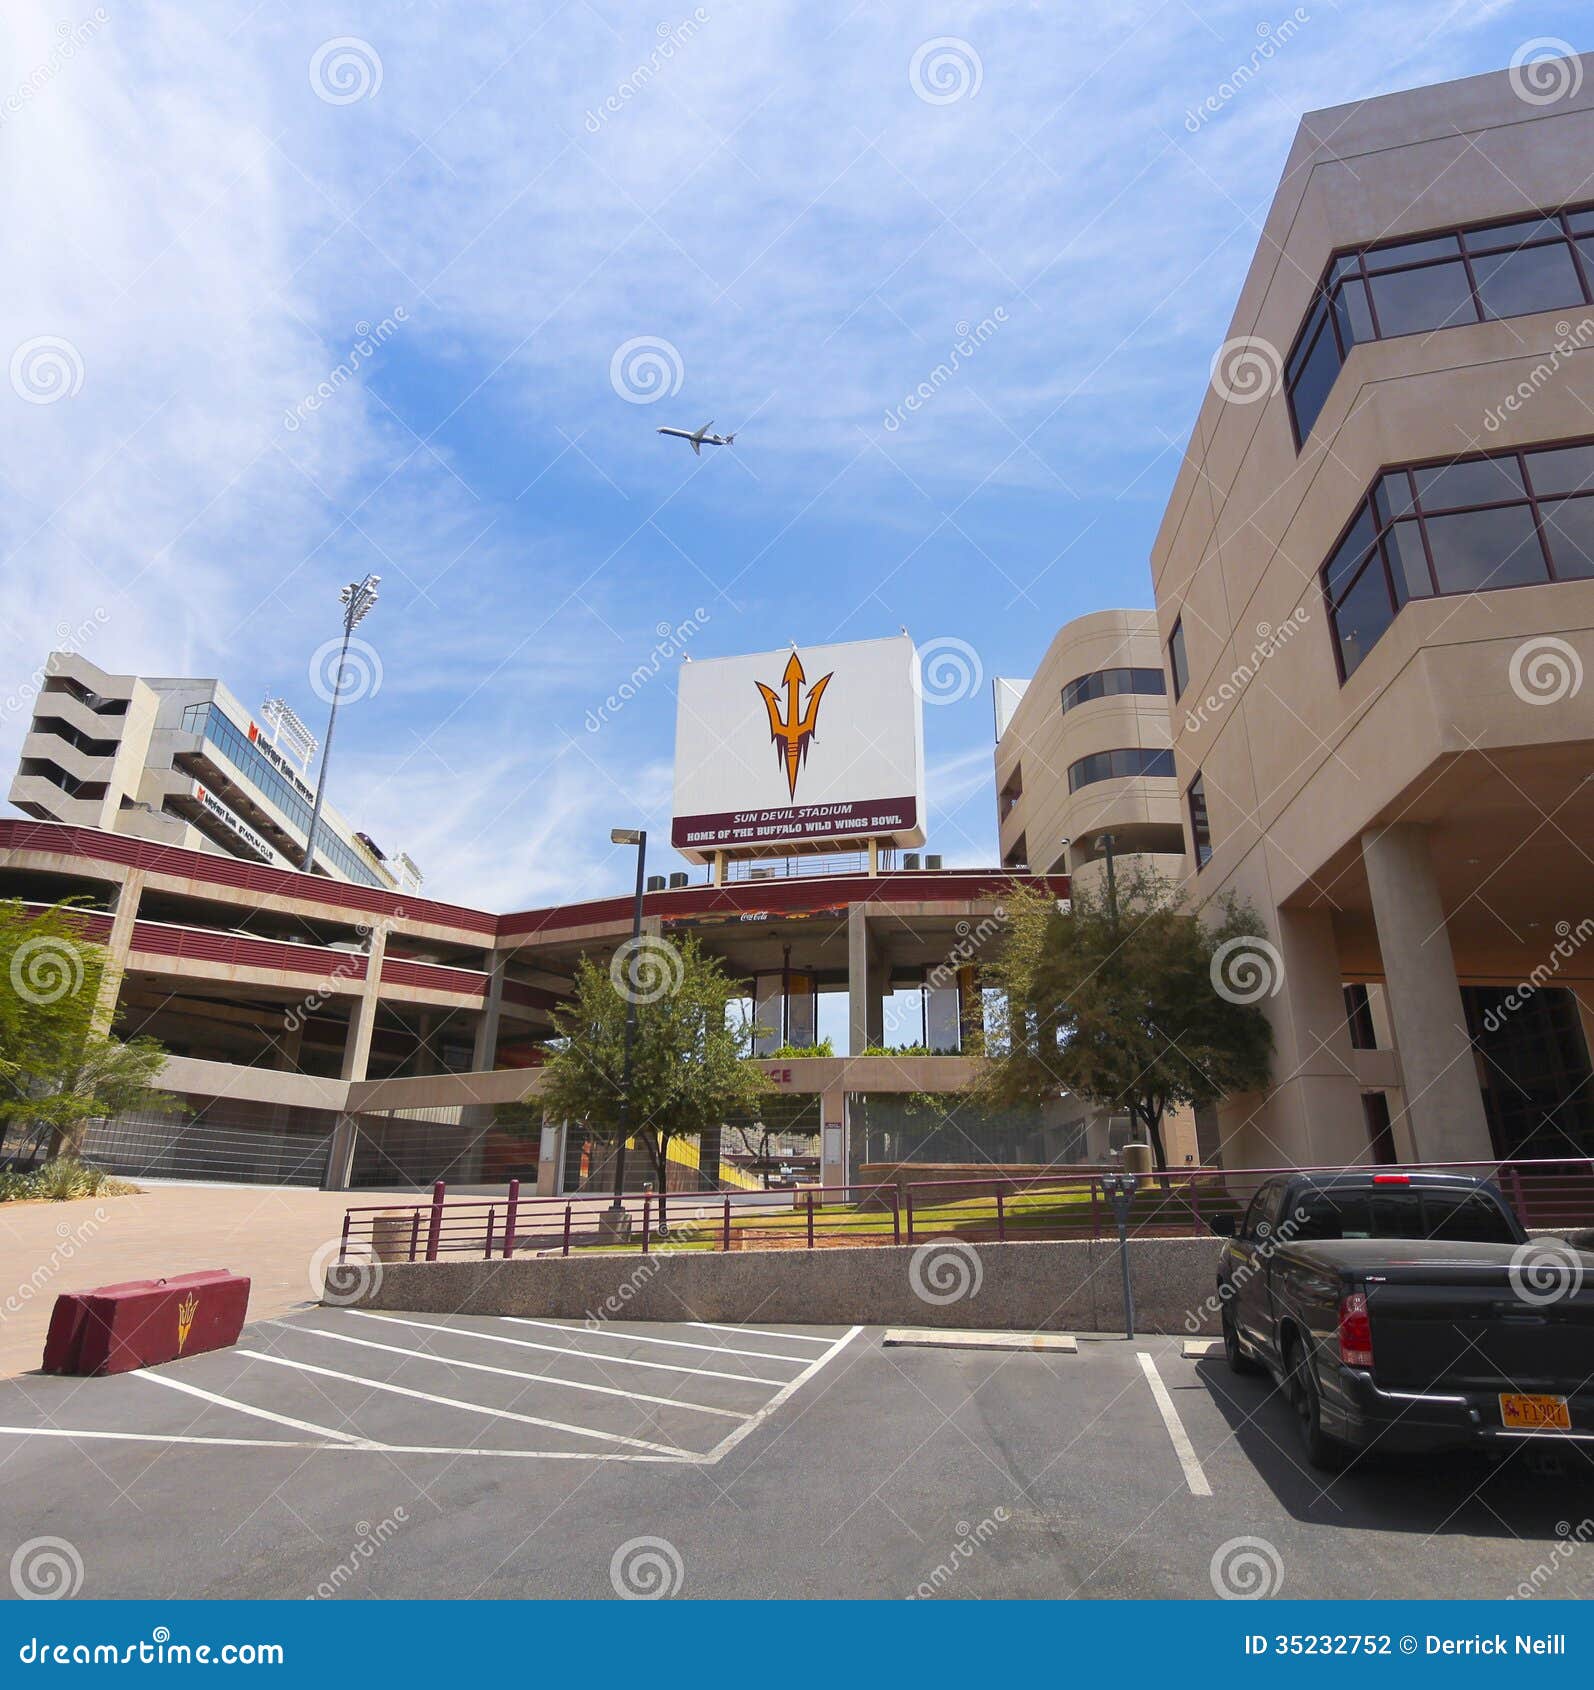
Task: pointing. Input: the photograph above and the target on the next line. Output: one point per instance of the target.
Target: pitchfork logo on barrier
(793, 732)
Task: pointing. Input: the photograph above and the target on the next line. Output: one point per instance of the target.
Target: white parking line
(359, 1447)
(640, 1338)
(509, 1372)
(561, 1350)
(756, 1332)
(470, 1407)
(1194, 1474)
(727, 1444)
(246, 1408)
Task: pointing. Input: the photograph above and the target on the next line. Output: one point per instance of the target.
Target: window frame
(1179, 686)
(1204, 836)
(1138, 670)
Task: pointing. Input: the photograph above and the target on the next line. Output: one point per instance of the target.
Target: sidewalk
(270, 1233)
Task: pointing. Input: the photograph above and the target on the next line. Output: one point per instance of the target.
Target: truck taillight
(1355, 1331)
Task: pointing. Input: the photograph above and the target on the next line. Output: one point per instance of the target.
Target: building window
(1359, 1017)
(1110, 683)
(1178, 665)
(1503, 519)
(1200, 827)
(1473, 275)
(1118, 765)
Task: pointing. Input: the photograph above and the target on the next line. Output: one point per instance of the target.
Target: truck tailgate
(1473, 1328)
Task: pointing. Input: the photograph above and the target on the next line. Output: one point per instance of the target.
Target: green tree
(1143, 1007)
(688, 1067)
(59, 1064)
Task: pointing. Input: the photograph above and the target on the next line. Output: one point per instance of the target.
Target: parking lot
(337, 1452)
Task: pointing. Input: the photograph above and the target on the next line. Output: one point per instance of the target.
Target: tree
(59, 1064)
(1142, 1007)
(687, 1067)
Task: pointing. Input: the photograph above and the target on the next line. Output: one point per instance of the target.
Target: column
(866, 968)
(124, 913)
(1443, 1102)
(356, 1058)
(833, 1138)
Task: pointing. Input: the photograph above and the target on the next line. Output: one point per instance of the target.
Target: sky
(299, 293)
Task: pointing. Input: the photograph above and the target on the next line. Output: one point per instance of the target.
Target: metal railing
(1179, 1202)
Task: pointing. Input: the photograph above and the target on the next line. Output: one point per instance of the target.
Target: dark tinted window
(1200, 829)
(1467, 1217)
(1416, 301)
(1540, 278)
(1408, 562)
(1177, 665)
(1474, 481)
(1563, 469)
(1412, 252)
(1363, 615)
(1319, 367)
(1110, 683)
(1493, 548)
(1118, 765)
(1569, 528)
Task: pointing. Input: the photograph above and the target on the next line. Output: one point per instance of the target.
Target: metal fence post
(896, 1218)
(647, 1209)
(907, 1192)
(343, 1247)
(492, 1221)
(725, 1242)
(1001, 1220)
(415, 1234)
(567, 1229)
(510, 1215)
(810, 1217)
(435, 1230)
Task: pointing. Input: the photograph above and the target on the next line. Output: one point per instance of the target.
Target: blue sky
(797, 210)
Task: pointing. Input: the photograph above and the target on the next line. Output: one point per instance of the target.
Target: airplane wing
(697, 445)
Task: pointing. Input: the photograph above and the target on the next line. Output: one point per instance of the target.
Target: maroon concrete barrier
(116, 1328)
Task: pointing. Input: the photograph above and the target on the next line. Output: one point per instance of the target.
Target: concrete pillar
(551, 1159)
(1317, 1119)
(356, 1058)
(866, 972)
(485, 1054)
(1443, 1102)
(833, 1138)
(124, 913)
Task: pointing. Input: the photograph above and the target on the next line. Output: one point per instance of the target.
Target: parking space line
(511, 1373)
(1194, 1474)
(641, 1338)
(784, 1394)
(361, 1446)
(183, 1385)
(562, 1350)
(757, 1332)
(472, 1407)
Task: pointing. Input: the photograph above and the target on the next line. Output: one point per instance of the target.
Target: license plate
(1523, 1413)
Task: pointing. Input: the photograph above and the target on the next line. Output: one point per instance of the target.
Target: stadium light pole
(357, 598)
(638, 837)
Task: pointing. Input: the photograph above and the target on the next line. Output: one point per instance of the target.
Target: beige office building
(1375, 598)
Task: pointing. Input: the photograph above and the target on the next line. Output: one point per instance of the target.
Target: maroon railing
(1177, 1203)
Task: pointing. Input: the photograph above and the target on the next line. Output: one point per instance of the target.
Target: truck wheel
(1239, 1362)
(1327, 1454)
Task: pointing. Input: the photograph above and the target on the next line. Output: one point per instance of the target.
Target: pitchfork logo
(792, 732)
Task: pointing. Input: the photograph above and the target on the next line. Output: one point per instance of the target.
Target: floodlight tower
(357, 599)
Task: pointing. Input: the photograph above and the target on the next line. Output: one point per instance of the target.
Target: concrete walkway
(271, 1233)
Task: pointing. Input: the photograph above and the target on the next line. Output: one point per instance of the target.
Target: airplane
(701, 437)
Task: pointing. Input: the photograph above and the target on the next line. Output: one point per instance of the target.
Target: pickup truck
(1406, 1311)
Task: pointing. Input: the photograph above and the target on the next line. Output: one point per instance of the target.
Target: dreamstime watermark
(1273, 37)
(368, 1539)
(646, 1569)
(1545, 70)
(72, 640)
(1246, 969)
(46, 368)
(970, 1540)
(345, 675)
(946, 1270)
(367, 338)
(1545, 670)
(46, 1569)
(46, 969)
(69, 37)
(948, 671)
(1569, 940)
(1572, 1539)
(972, 937)
(1268, 640)
(646, 369)
(345, 70)
(945, 70)
(343, 1275)
(619, 1300)
(1570, 340)
(1247, 368)
(647, 969)
(672, 37)
(1269, 1238)
(1545, 1271)
(71, 1237)
(968, 340)
(672, 641)
(1246, 1569)
(352, 965)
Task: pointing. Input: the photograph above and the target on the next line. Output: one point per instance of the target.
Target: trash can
(392, 1236)
(1137, 1159)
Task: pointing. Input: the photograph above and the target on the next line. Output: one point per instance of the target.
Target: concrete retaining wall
(1070, 1286)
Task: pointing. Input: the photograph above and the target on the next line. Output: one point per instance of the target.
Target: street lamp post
(357, 599)
(619, 1220)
